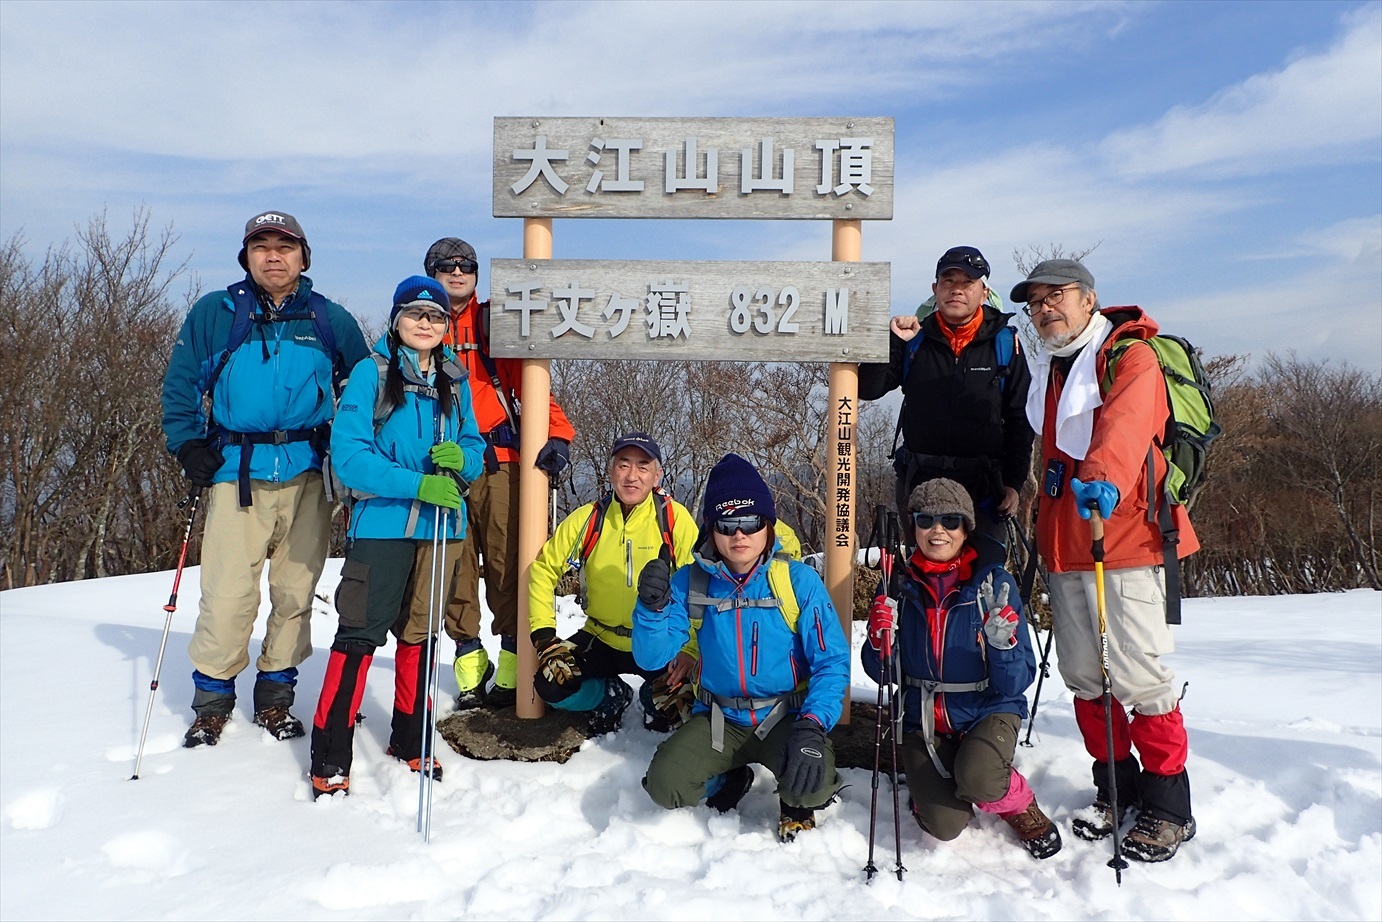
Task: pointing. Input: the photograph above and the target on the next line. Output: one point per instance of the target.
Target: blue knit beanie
(418, 291)
(735, 487)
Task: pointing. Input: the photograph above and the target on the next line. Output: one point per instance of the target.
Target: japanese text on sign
(707, 168)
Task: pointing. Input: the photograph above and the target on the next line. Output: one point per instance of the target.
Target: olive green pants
(980, 764)
(684, 762)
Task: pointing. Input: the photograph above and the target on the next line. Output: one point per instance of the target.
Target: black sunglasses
(448, 266)
(748, 524)
(977, 262)
(951, 521)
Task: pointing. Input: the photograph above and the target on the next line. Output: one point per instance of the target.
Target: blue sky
(1226, 157)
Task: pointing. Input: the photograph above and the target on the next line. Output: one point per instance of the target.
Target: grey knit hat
(942, 497)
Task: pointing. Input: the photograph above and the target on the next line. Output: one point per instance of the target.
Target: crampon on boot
(793, 821)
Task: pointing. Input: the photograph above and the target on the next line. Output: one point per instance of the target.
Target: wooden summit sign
(672, 310)
(791, 168)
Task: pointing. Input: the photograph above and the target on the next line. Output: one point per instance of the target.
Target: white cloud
(1320, 108)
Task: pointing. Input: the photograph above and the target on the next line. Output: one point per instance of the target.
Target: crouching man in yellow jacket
(607, 543)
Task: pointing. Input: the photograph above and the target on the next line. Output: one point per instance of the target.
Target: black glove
(200, 461)
(554, 457)
(655, 582)
(803, 761)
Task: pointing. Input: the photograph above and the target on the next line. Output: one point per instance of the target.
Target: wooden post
(532, 483)
(842, 417)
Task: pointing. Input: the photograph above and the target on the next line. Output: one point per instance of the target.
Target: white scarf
(1079, 398)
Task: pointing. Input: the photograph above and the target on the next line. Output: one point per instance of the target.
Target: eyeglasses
(951, 521)
(419, 314)
(748, 524)
(1051, 300)
(448, 266)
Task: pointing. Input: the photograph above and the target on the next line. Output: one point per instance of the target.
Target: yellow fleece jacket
(611, 572)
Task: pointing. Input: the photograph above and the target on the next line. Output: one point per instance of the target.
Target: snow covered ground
(1284, 709)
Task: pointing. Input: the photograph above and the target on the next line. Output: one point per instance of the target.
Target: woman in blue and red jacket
(405, 431)
(966, 662)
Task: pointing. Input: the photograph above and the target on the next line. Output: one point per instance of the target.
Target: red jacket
(465, 328)
(1132, 418)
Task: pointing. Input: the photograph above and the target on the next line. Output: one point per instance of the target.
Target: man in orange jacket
(492, 505)
(1100, 435)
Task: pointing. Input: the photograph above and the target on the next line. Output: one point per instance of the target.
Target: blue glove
(554, 457)
(1097, 494)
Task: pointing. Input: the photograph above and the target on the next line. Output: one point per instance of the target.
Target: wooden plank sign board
(790, 168)
(675, 310)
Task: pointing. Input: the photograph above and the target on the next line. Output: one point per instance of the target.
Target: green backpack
(1190, 429)
(1192, 425)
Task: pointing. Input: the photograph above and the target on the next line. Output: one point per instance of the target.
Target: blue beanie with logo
(735, 487)
(418, 291)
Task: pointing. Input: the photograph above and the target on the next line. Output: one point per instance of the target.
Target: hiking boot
(205, 730)
(416, 764)
(792, 821)
(732, 790)
(1156, 839)
(1095, 822)
(1035, 830)
(329, 780)
(504, 694)
(610, 711)
(500, 697)
(281, 724)
(471, 698)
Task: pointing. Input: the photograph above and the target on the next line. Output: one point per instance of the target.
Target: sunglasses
(748, 524)
(976, 262)
(448, 266)
(951, 521)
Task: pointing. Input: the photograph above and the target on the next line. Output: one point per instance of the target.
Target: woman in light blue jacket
(405, 444)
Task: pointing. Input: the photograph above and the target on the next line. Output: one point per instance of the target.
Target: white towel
(1079, 398)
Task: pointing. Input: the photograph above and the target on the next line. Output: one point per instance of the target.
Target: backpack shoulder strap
(320, 310)
(1004, 348)
(665, 517)
(243, 299)
(591, 536)
(780, 581)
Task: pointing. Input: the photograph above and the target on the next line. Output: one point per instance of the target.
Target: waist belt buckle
(280, 437)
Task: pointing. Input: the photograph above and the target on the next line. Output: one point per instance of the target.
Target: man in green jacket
(608, 543)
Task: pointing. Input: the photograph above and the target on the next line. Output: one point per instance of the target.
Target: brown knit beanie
(943, 497)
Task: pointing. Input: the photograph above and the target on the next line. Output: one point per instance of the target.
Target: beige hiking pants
(289, 526)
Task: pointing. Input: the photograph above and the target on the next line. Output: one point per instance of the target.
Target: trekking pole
(1045, 667)
(878, 539)
(193, 497)
(1029, 568)
(894, 712)
(1096, 527)
(434, 603)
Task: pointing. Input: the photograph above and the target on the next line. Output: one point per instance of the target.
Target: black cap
(968, 259)
(640, 440)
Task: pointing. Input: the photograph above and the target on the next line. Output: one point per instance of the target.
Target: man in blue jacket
(265, 353)
(773, 662)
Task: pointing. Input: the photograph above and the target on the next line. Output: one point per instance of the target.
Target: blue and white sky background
(1226, 157)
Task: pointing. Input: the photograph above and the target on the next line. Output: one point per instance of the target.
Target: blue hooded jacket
(964, 657)
(280, 378)
(388, 465)
(751, 652)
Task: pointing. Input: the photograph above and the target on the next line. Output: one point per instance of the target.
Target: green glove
(448, 455)
(439, 490)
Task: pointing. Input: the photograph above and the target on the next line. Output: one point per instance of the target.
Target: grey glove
(1000, 621)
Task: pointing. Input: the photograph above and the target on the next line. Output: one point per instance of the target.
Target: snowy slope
(1284, 709)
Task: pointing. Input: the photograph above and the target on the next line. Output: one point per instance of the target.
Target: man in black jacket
(964, 390)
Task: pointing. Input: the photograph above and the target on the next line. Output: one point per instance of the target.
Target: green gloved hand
(448, 455)
(439, 490)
